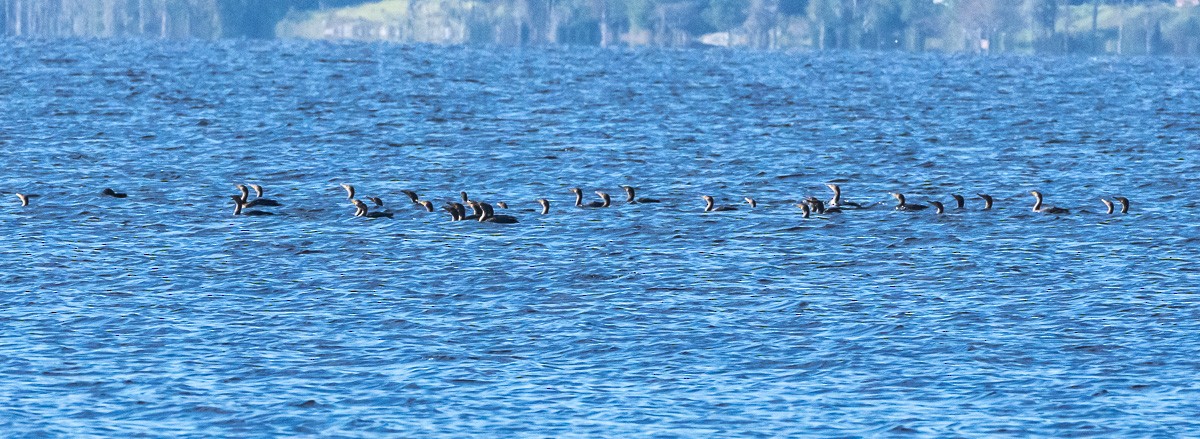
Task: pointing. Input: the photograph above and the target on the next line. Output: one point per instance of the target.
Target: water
(164, 315)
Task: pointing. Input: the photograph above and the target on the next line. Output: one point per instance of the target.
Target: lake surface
(163, 315)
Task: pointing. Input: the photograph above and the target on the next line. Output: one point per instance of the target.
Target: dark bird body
(605, 201)
(987, 201)
(709, 205)
(259, 200)
(363, 211)
(907, 207)
(239, 205)
(1038, 207)
(837, 201)
(1124, 204)
(631, 198)
(488, 215)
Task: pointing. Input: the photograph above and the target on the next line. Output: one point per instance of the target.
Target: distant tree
(976, 20)
(1042, 15)
(760, 21)
(825, 16)
(725, 14)
(883, 24)
(257, 18)
(1183, 34)
(637, 13)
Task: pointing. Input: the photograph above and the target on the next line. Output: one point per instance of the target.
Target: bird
(349, 191)
(987, 201)
(939, 206)
(709, 207)
(751, 202)
(960, 200)
(111, 193)
(579, 199)
(411, 195)
(259, 201)
(378, 201)
(545, 205)
(238, 205)
(631, 199)
(836, 201)
(1038, 207)
(24, 199)
(502, 205)
(258, 193)
(1108, 205)
(454, 216)
(805, 210)
(604, 196)
(1124, 204)
(489, 215)
(462, 211)
(426, 204)
(363, 211)
(818, 206)
(907, 207)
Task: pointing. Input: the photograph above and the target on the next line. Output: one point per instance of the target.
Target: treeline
(1019, 26)
(110, 18)
(151, 18)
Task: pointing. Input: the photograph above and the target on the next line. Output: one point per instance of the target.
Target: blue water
(163, 315)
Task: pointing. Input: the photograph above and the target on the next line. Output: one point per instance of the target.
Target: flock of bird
(485, 212)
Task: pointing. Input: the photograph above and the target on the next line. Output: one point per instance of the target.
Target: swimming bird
(1037, 206)
(987, 201)
(411, 195)
(454, 211)
(1108, 205)
(111, 193)
(960, 200)
(238, 205)
(24, 199)
(349, 191)
(465, 200)
(502, 205)
(818, 206)
(258, 193)
(836, 201)
(631, 199)
(462, 211)
(939, 206)
(805, 210)
(579, 199)
(426, 204)
(363, 211)
(708, 205)
(489, 215)
(378, 201)
(545, 205)
(907, 207)
(751, 202)
(1124, 204)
